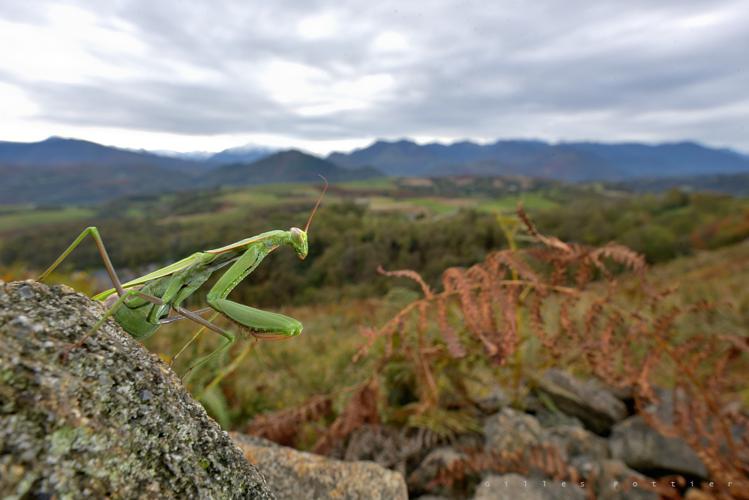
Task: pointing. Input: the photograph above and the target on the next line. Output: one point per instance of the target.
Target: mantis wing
(187, 261)
(159, 273)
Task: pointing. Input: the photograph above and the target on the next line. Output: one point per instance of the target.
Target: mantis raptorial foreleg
(257, 321)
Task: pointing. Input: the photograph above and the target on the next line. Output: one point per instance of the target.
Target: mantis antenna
(324, 189)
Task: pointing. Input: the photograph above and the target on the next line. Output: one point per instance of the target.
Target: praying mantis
(144, 304)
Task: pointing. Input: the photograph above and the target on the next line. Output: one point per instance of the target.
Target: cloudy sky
(327, 74)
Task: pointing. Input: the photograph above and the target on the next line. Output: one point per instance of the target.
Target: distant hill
(286, 166)
(30, 175)
(242, 154)
(574, 161)
(60, 152)
(58, 171)
(85, 184)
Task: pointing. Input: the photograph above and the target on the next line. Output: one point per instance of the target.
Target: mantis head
(299, 242)
(299, 236)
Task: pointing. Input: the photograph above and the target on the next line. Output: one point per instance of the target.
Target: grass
(380, 183)
(531, 201)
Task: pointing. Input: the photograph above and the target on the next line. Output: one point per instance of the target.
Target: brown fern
(283, 426)
(361, 409)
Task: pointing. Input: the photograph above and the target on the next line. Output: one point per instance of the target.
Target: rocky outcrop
(421, 479)
(111, 420)
(589, 400)
(613, 480)
(511, 431)
(641, 447)
(298, 475)
(572, 441)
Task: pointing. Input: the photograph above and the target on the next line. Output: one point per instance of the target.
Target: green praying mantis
(145, 303)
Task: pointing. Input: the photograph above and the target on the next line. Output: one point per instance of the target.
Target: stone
(419, 480)
(109, 421)
(299, 475)
(555, 418)
(588, 400)
(495, 400)
(643, 448)
(383, 445)
(517, 487)
(573, 441)
(613, 480)
(511, 431)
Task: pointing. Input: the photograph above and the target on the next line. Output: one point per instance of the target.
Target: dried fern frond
(361, 409)
(283, 426)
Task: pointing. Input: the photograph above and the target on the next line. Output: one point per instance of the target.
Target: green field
(29, 217)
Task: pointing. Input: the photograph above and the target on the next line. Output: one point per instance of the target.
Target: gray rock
(517, 487)
(555, 418)
(511, 430)
(573, 441)
(613, 480)
(419, 480)
(110, 421)
(386, 446)
(643, 448)
(588, 400)
(494, 401)
(298, 475)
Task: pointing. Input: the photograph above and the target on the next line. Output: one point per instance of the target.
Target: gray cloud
(551, 68)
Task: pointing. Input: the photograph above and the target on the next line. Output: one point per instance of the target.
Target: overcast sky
(324, 75)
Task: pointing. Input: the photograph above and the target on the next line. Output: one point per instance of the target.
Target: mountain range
(573, 161)
(59, 170)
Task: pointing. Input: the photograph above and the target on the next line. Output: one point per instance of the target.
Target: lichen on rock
(110, 421)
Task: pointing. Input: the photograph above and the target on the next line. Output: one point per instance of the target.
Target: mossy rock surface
(111, 420)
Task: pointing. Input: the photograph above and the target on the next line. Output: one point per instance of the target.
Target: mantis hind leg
(94, 232)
